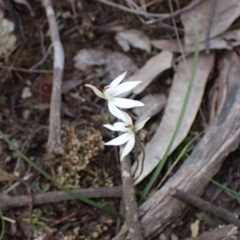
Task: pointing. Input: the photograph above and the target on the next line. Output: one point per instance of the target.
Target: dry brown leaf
(7, 37)
(86, 58)
(170, 45)
(156, 148)
(194, 227)
(218, 93)
(67, 86)
(227, 232)
(118, 63)
(153, 67)
(134, 38)
(115, 63)
(153, 104)
(227, 40)
(26, 93)
(225, 14)
(4, 176)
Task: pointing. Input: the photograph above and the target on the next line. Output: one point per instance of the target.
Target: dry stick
(8, 202)
(210, 22)
(178, 38)
(54, 137)
(126, 9)
(26, 70)
(227, 232)
(161, 17)
(43, 59)
(204, 205)
(134, 6)
(143, 5)
(131, 215)
(178, 12)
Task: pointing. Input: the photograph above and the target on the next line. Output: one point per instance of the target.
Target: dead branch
(25, 70)
(126, 9)
(8, 202)
(54, 137)
(205, 206)
(178, 12)
(228, 232)
(221, 138)
(161, 17)
(131, 215)
(210, 23)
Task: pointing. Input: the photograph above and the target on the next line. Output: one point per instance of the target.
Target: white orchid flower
(128, 137)
(114, 89)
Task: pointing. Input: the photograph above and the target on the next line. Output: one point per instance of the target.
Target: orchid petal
(121, 126)
(117, 80)
(128, 119)
(125, 87)
(119, 140)
(96, 91)
(141, 124)
(115, 111)
(118, 126)
(126, 103)
(129, 146)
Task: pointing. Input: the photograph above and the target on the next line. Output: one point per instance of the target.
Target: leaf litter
(7, 37)
(134, 38)
(221, 37)
(153, 104)
(113, 63)
(157, 146)
(227, 40)
(151, 69)
(225, 14)
(5, 176)
(221, 138)
(218, 93)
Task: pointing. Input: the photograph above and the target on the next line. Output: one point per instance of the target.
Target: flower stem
(136, 156)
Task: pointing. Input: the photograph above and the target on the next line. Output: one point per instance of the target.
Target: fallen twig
(126, 9)
(161, 17)
(210, 23)
(43, 59)
(25, 70)
(54, 137)
(8, 202)
(228, 232)
(204, 205)
(176, 13)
